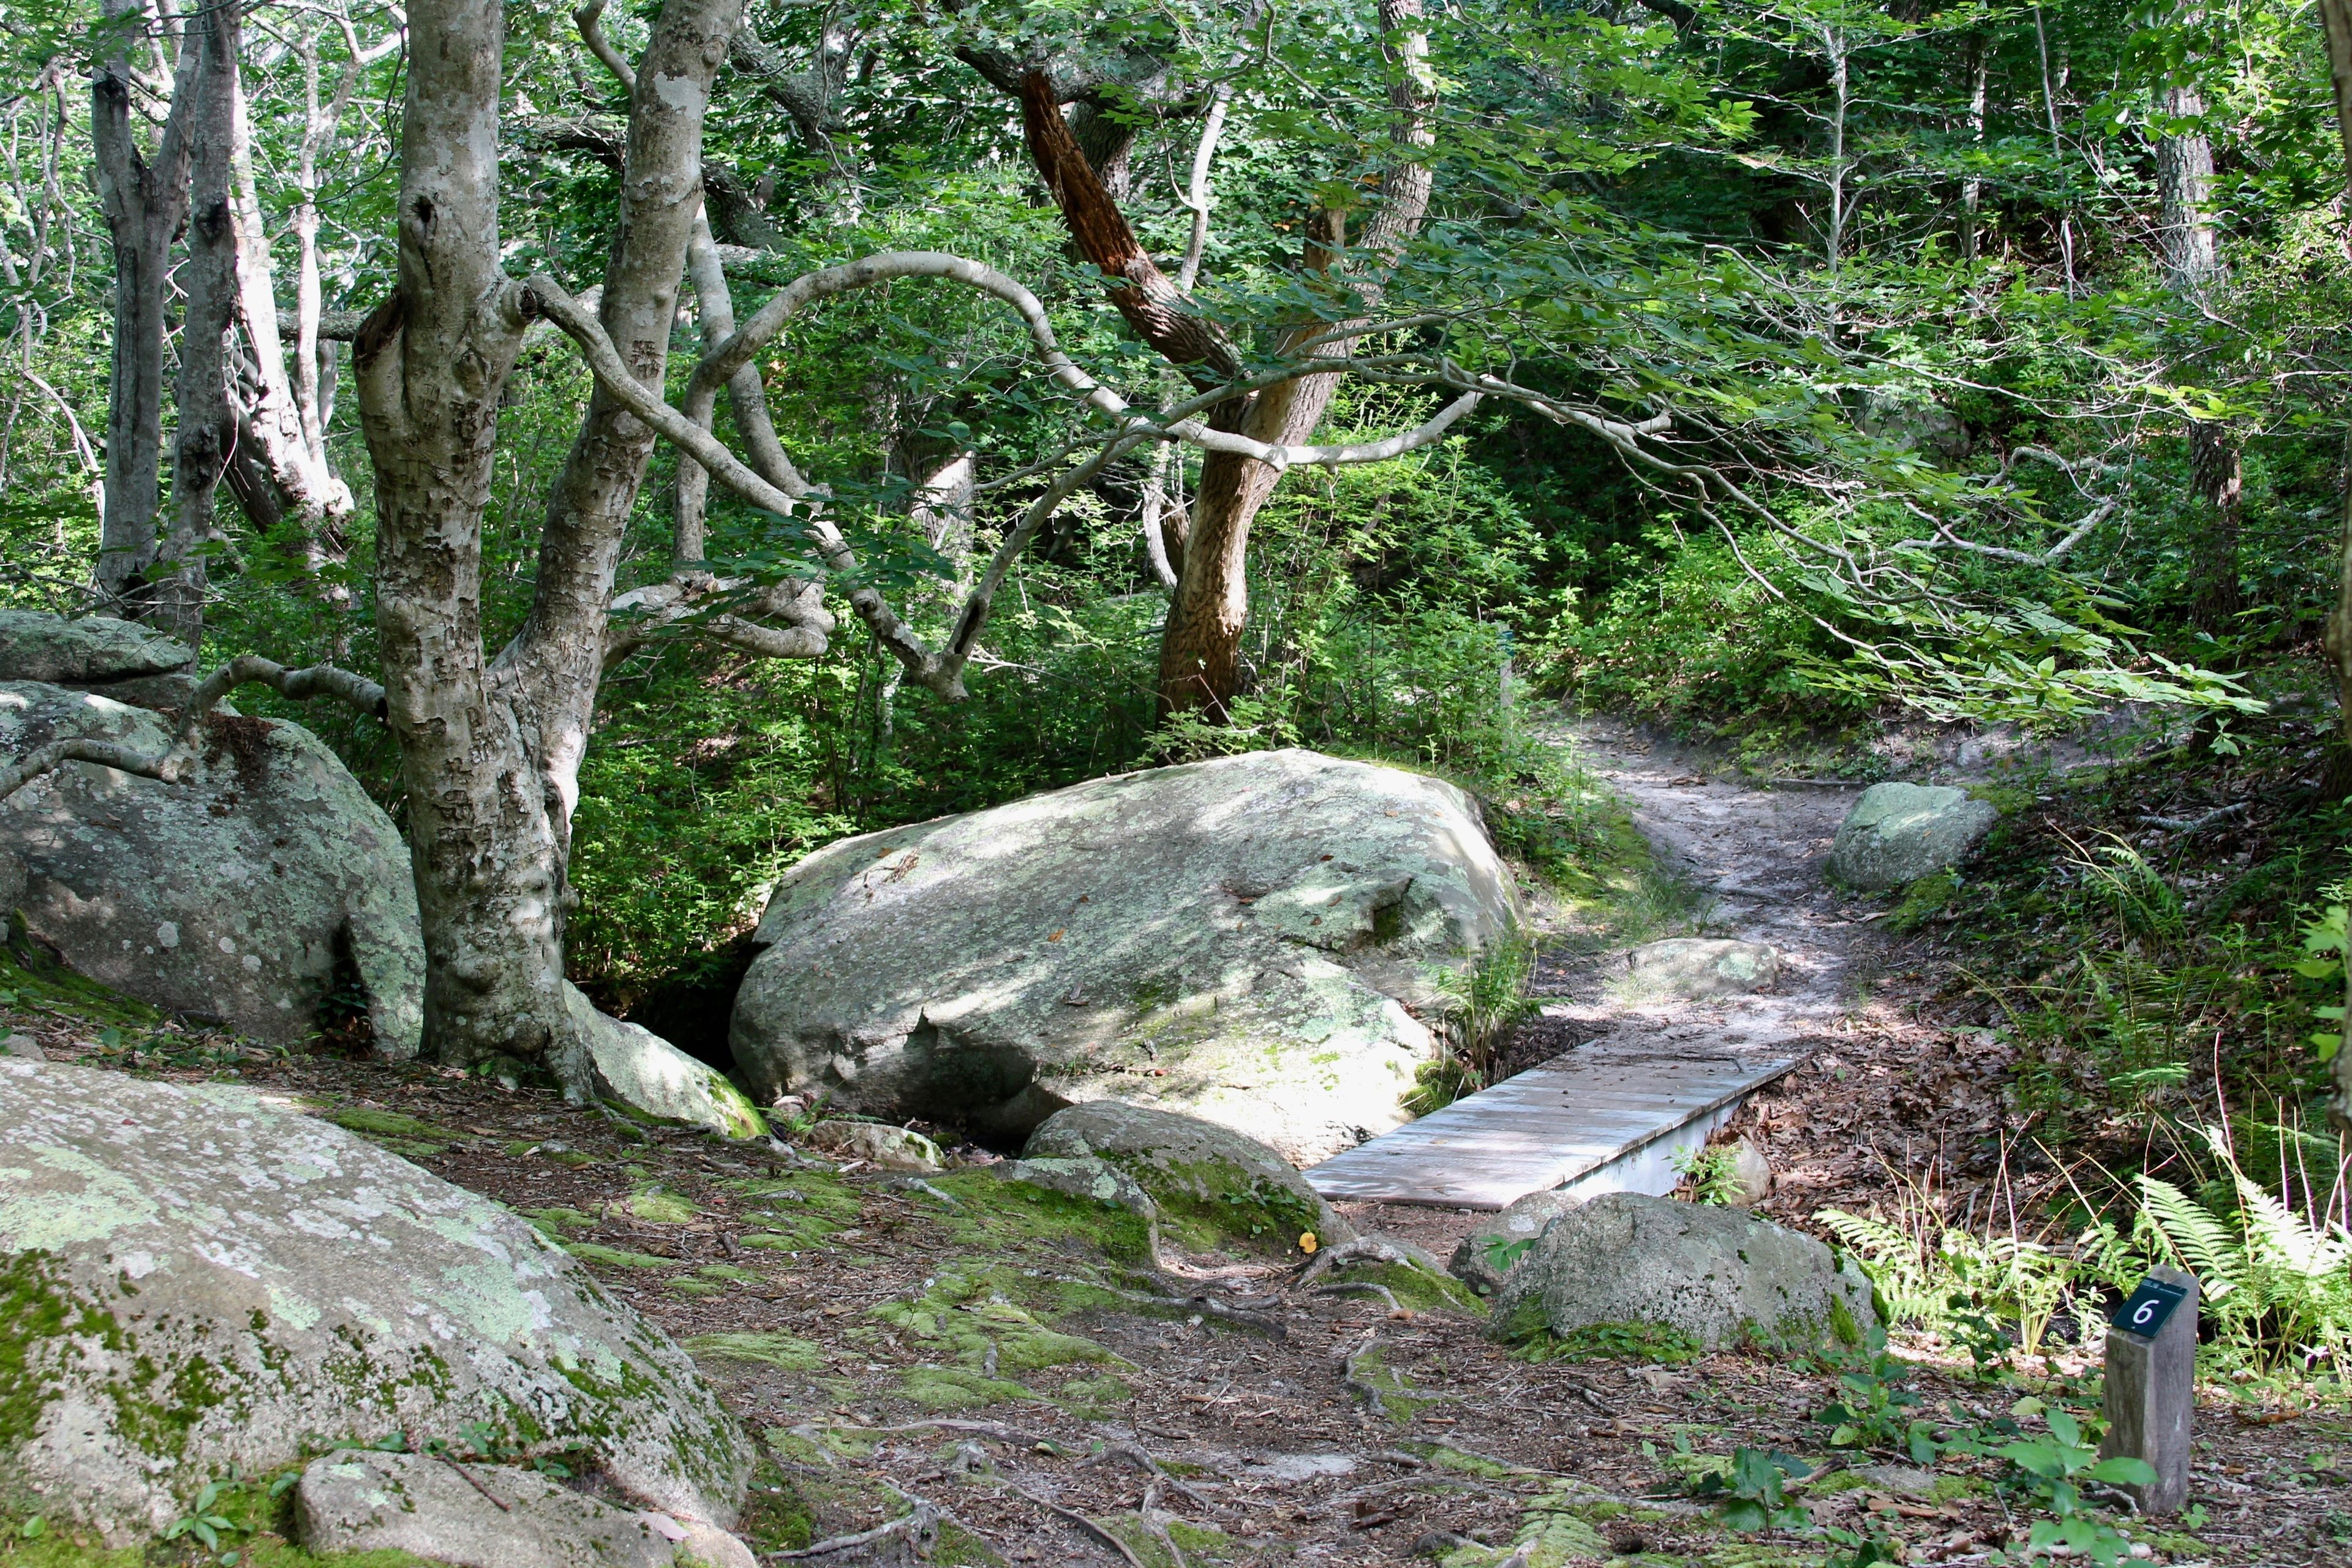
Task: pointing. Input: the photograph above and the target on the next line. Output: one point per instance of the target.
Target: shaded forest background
(2029, 323)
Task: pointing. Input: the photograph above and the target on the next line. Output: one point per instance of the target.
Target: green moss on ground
(783, 1352)
(615, 1257)
(797, 1216)
(981, 1337)
(1599, 1342)
(409, 1137)
(1002, 1216)
(1210, 1204)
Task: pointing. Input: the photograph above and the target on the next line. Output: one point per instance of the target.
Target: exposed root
(1356, 1386)
(1363, 1250)
(1093, 1530)
(919, 1529)
(1363, 1287)
(1143, 1460)
(1208, 1306)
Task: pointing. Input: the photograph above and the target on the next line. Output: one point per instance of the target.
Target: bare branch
(167, 765)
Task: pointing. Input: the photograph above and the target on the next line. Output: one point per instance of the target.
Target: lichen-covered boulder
(478, 1517)
(87, 652)
(237, 894)
(1698, 968)
(1485, 1259)
(193, 1280)
(1898, 832)
(1244, 940)
(1682, 1276)
(877, 1144)
(638, 1068)
(1209, 1184)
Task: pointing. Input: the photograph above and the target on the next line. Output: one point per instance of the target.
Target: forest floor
(1008, 1387)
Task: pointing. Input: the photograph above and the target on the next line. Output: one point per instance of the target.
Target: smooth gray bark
(144, 199)
(490, 749)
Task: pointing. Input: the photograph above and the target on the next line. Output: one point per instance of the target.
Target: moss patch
(615, 1257)
(1000, 1216)
(782, 1352)
(1605, 1341)
(409, 1137)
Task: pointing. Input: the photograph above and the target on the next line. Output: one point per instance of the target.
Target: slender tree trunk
(2192, 264)
(144, 201)
(175, 589)
(2335, 18)
(1201, 645)
(1973, 186)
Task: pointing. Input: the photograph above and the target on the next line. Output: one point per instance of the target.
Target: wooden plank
(1562, 1122)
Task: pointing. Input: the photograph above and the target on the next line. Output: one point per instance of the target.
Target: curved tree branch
(305, 685)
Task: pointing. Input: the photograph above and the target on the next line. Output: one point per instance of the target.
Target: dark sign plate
(2145, 1310)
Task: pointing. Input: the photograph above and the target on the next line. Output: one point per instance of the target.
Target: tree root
(1363, 1287)
(1093, 1530)
(1356, 1386)
(919, 1529)
(1363, 1250)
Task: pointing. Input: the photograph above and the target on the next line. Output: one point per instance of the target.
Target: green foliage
(2050, 1470)
(1480, 1005)
(1873, 1408)
(1712, 1174)
(1748, 1489)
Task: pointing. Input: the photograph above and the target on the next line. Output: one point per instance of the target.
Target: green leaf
(2123, 1470)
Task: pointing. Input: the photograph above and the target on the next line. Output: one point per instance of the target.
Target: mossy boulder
(1898, 832)
(1246, 939)
(247, 893)
(1210, 1186)
(95, 650)
(194, 1280)
(1712, 1277)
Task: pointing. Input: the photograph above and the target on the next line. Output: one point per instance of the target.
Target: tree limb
(297, 685)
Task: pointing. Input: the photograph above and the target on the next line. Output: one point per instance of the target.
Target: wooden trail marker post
(2151, 1384)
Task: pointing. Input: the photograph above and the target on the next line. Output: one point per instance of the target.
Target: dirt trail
(1755, 858)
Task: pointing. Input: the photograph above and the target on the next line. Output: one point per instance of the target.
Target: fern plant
(2278, 1286)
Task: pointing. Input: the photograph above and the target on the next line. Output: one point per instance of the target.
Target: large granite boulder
(241, 893)
(1207, 1183)
(1244, 940)
(1898, 832)
(122, 660)
(195, 1280)
(1682, 1276)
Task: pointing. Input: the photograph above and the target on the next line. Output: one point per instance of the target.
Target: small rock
(1521, 1223)
(362, 1500)
(1901, 1479)
(24, 1045)
(892, 1148)
(637, 1066)
(1753, 1174)
(1693, 969)
(1898, 832)
(1709, 1277)
(1206, 1179)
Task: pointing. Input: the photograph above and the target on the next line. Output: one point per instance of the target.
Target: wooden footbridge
(1610, 1116)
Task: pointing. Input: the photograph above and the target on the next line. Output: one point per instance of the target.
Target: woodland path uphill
(1618, 1084)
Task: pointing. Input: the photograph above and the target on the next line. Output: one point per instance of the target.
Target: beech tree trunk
(175, 582)
(490, 749)
(2192, 264)
(2335, 18)
(144, 200)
